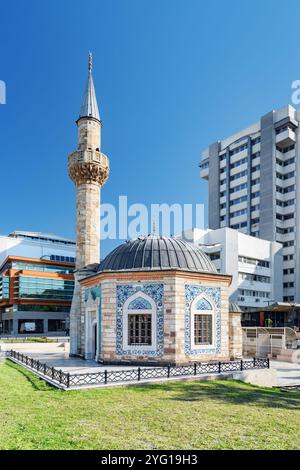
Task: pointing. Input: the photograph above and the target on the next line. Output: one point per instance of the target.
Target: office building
(252, 185)
(254, 264)
(36, 283)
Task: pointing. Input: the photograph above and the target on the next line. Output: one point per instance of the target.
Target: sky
(171, 77)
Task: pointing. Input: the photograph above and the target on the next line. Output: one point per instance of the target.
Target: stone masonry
(89, 170)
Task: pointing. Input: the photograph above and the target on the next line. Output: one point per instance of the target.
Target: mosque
(152, 300)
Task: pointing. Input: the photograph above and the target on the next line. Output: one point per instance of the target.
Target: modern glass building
(36, 293)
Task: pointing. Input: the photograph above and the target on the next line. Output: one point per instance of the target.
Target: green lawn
(177, 415)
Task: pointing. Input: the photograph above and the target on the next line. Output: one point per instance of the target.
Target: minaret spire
(89, 106)
(90, 62)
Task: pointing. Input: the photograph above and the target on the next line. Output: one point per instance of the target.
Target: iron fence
(138, 374)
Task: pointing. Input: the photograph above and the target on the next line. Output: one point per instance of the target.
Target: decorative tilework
(203, 304)
(139, 304)
(155, 291)
(94, 292)
(213, 294)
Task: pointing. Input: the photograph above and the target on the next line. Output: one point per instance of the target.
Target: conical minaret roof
(89, 106)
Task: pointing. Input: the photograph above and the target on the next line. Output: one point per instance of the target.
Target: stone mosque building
(152, 300)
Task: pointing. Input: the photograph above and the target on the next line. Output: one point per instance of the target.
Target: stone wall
(174, 318)
(235, 335)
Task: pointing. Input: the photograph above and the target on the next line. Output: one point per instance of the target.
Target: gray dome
(157, 253)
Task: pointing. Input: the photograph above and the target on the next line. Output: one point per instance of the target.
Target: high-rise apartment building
(252, 185)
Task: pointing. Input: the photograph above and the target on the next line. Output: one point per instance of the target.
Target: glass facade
(4, 287)
(41, 267)
(42, 308)
(40, 288)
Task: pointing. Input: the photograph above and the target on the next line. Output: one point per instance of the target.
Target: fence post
(195, 368)
(60, 376)
(139, 373)
(268, 363)
(241, 364)
(220, 367)
(44, 368)
(68, 380)
(254, 362)
(105, 376)
(52, 370)
(168, 372)
(38, 365)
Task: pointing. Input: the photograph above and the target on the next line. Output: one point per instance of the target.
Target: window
(288, 298)
(254, 277)
(26, 287)
(238, 175)
(240, 225)
(139, 322)
(139, 330)
(214, 256)
(203, 329)
(238, 149)
(202, 322)
(239, 212)
(288, 243)
(255, 181)
(286, 285)
(56, 325)
(254, 261)
(253, 293)
(239, 162)
(4, 287)
(238, 200)
(238, 188)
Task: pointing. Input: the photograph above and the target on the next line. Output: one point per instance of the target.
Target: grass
(176, 415)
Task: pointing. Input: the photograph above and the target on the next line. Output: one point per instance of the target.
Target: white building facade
(37, 245)
(254, 264)
(252, 184)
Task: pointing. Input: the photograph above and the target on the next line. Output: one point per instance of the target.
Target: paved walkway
(287, 373)
(57, 355)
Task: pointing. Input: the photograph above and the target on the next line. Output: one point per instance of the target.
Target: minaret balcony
(88, 166)
(89, 156)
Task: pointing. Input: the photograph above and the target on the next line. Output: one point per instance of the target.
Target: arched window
(202, 322)
(139, 317)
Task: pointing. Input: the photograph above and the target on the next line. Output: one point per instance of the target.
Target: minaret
(89, 170)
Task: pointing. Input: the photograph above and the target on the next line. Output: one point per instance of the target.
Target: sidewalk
(57, 355)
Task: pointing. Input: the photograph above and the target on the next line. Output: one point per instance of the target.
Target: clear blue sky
(171, 77)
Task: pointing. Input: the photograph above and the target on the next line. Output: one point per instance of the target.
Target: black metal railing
(138, 374)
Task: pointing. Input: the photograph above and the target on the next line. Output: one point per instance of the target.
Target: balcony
(285, 138)
(204, 168)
